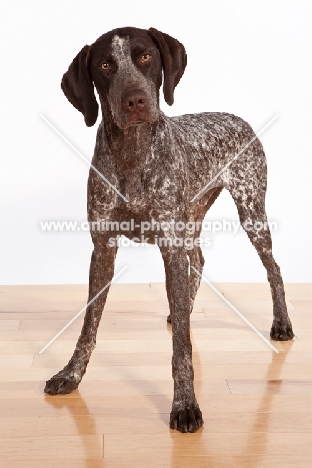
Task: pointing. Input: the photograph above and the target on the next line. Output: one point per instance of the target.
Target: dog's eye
(105, 66)
(145, 58)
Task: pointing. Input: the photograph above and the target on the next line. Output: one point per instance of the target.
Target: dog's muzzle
(136, 106)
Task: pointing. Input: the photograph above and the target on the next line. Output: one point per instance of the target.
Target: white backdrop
(248, 58)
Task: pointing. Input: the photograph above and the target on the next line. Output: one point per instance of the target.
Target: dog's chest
(156, 185)
(147, 168)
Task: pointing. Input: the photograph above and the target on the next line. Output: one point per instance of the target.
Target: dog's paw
(186, 420)
(61, 384)
(281, 331)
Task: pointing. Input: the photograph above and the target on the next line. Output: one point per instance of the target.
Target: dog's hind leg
(168, 292)
(251, 210)
(196, 260)
(101, 273)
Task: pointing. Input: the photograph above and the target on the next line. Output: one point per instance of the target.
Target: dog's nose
(134, 100)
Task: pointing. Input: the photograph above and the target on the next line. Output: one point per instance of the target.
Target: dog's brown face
(127, 74)
(125, 65)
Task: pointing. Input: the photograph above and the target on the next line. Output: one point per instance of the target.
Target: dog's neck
(130, 147)
(130, 150)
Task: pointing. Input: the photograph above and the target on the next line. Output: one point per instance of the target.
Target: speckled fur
(159, 164)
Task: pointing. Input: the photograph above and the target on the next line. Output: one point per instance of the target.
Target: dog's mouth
(138, 118)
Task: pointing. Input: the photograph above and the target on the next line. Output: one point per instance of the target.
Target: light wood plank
(296, 387)
(9, 324)
(298, 345)
(173, 460)
(302, 304)
(13, 361)
(217, 404)
(158, 372)
(152, 423)
(210, 444)
(220, 461)
(84, 425)
(163, 358)
(36, 448)
(136, 346)
(95, 388)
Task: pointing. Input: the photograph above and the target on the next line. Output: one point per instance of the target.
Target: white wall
(249, 58)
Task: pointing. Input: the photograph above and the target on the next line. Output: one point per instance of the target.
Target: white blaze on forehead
(117, 40)
(120, 48)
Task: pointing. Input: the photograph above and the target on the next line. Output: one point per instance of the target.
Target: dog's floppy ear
(78, 87)
(173, 57)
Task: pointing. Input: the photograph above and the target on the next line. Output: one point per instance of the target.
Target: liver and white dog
(161, 169)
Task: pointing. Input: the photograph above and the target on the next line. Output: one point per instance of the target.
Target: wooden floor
(257, 404)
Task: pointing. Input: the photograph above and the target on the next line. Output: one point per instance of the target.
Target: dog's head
(125, 65)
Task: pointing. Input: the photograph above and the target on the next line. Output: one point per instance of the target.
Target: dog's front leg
(185, 415)
(101, 273)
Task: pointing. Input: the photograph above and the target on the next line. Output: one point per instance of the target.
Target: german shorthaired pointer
(159, 164)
